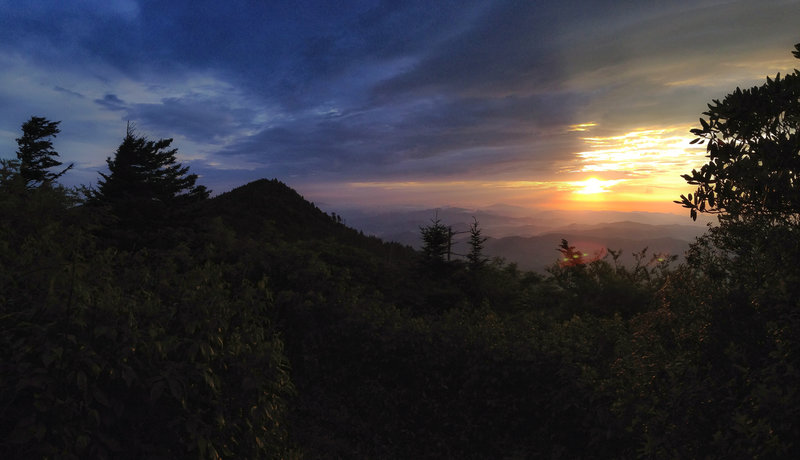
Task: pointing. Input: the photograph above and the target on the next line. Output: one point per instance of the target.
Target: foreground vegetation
(145, 320)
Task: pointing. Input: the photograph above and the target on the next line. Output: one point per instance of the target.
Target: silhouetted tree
(36, 153)
(145, 181)
(752, 181)
(754, 153)
(475, 257)
(741, 286)
(437, 240)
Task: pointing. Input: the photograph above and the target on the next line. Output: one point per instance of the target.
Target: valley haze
(528, 237)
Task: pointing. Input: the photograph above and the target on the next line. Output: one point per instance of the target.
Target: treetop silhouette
(753, 147)
(147, 171)
(36, 153)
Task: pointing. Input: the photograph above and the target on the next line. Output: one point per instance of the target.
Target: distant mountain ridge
(531, 241)
(635, 230)
(270, 206)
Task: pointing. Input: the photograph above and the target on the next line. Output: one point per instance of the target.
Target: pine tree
(437, 240)
(475, 257)
(145, 184)
(36, 153)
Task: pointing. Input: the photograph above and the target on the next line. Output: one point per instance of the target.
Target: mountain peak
(269, 204)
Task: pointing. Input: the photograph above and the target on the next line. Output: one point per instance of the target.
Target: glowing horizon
(638, 170)
(364, 107)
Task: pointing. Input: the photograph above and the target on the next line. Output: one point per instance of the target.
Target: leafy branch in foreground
(753, 147)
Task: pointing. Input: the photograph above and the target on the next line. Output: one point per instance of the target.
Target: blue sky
(365, 103)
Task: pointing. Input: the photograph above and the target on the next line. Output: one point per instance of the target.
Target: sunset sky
(544, 104)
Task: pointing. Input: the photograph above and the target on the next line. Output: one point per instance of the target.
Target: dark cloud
(69, 92)
(202, 119)
(111, 102)
(505, 52)
(425, 138)
(198, 118)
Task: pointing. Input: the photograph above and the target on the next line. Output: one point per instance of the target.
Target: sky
(541, 104)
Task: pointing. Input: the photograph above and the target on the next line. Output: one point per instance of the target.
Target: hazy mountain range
(530, 238)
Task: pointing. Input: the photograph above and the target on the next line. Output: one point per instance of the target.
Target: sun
(593, 186)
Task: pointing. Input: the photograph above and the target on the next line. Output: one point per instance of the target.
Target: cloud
(660, 65)
(506, 52)
(424, 138)
(69, 92)
(111, 102)
(202, 119)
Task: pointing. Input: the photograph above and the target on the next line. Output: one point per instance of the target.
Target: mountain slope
(268, 213)
(270, 205)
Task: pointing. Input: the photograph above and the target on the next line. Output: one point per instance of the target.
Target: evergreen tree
(146, 188)
(475, 257)
(437, 240)
(36, 153)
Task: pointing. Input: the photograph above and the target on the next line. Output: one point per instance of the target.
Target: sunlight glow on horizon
(634, 171)
(594, 185)
(641, 152)
(642, 168)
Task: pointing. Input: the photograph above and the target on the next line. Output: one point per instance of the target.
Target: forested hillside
(143, 319)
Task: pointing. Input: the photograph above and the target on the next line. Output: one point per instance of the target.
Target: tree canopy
(146, 170)
(475, 256)
(437, 239)
(753, 147)
(146, 185)
(36, 153)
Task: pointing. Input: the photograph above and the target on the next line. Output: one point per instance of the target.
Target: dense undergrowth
(246, 333)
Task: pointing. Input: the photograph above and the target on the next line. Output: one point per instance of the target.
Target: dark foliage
(108, 354)
(437, 240)
(146, 172)
(259, 337)
(271, 207)
(147, 194)
(754, 153)
(475, 257)
(36, 154)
